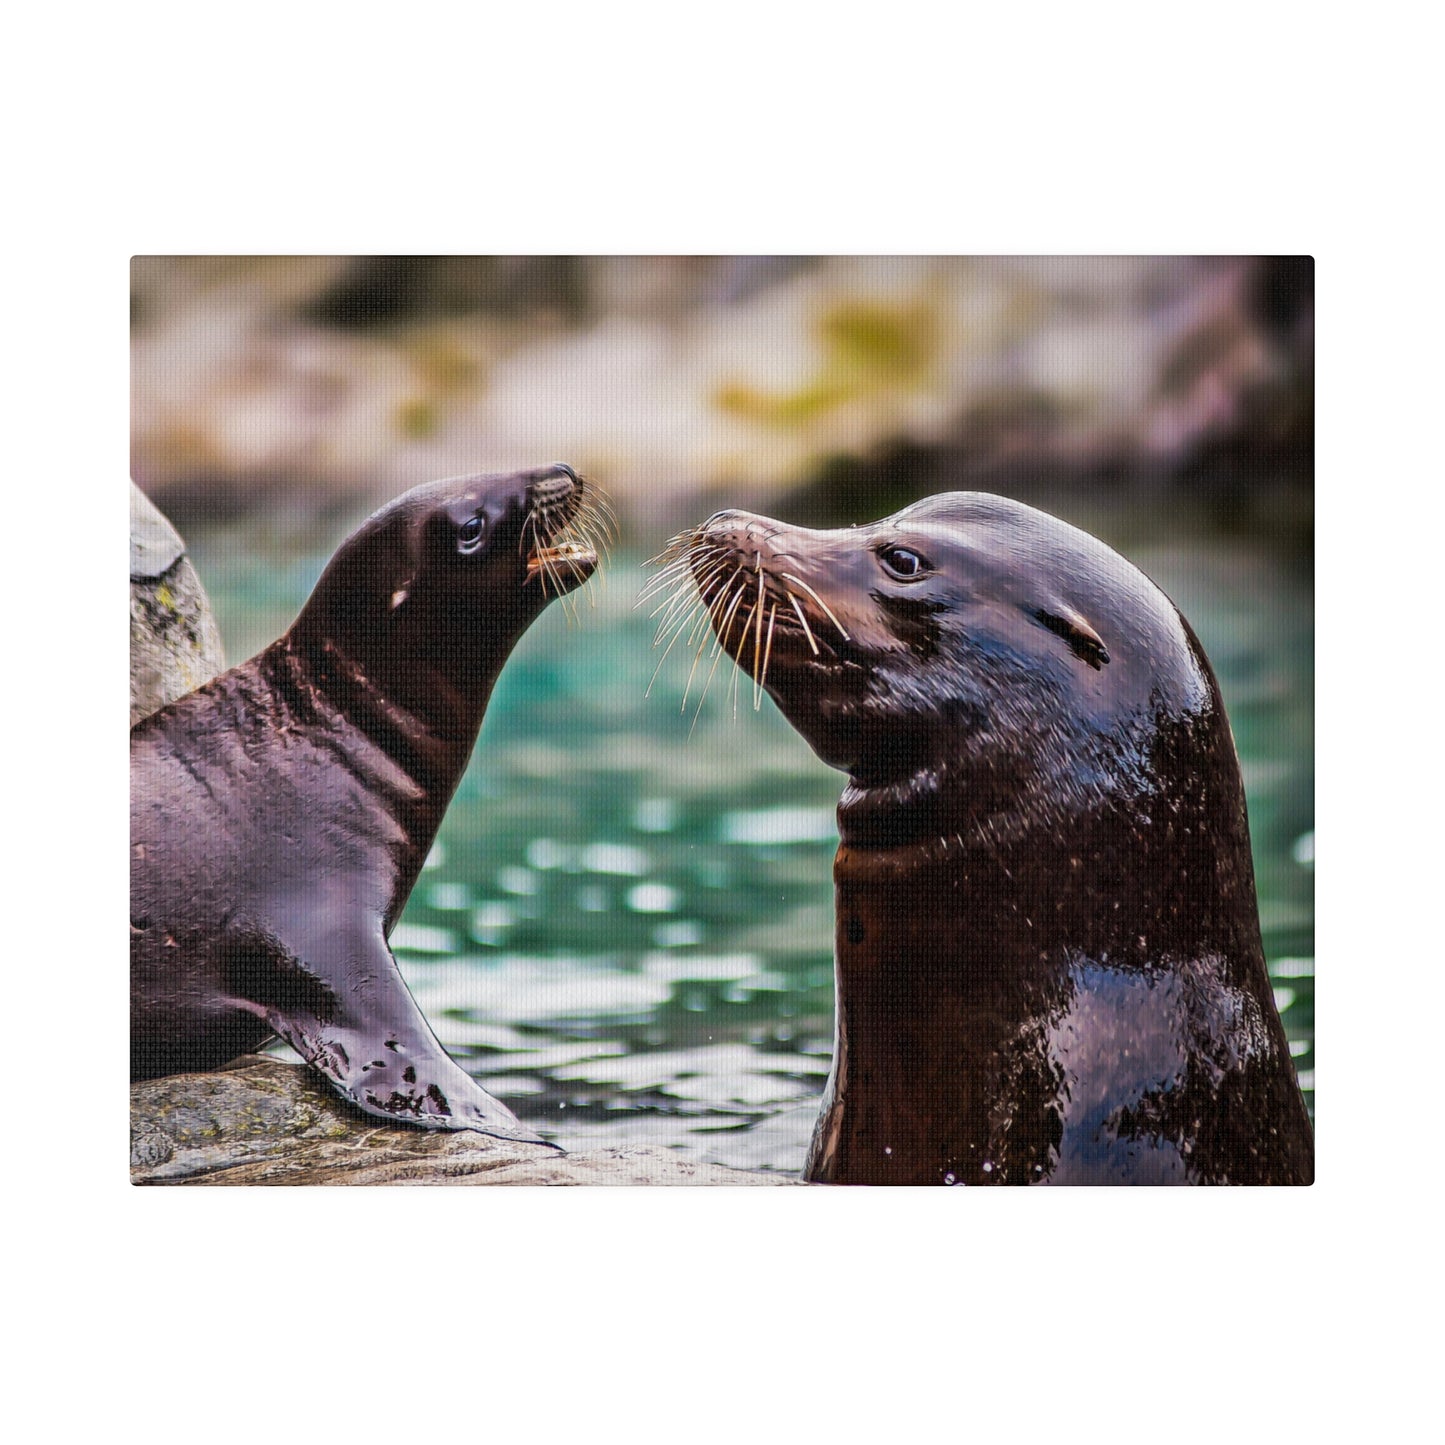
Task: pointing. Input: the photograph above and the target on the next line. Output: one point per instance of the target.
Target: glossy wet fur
(281, 814)
(1048, 957)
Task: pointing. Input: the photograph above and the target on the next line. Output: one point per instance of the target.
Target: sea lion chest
(233, 808)
(980, 1043)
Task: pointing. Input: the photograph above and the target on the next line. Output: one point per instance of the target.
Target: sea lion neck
(427, 725)
(406, 676)
(1017, 1005)
(425, 601)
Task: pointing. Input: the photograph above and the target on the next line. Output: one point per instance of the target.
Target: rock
(175, 645)
(265, 1121)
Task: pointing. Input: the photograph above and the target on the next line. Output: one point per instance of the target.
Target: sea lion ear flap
(1068, 624)
(407, 563)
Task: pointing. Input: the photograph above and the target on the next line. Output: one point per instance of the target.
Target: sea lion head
(445, 578)
(968, 656)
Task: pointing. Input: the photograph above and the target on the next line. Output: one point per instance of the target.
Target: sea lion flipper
(374, 1045)
(282, 810)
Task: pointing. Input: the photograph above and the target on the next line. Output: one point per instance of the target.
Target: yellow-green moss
(867, 346)
(417, 418)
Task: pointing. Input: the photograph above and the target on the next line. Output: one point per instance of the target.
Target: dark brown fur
(1048, 957)
(281, 813)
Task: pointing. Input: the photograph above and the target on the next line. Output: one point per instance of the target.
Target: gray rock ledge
(175, 645)
(264, 1121)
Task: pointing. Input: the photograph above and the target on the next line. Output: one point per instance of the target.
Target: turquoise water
(626, 932)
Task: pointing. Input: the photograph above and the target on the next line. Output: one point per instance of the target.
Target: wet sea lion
(1048, 958)
(280, 814)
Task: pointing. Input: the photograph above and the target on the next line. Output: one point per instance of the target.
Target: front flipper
(362, 1029)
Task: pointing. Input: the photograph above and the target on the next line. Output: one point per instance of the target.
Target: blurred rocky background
(849, 384)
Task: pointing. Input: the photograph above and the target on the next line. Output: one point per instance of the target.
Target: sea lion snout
(567, 520)
(553, 483)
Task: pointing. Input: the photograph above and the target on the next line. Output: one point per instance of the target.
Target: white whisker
(767, 654)
(808, 631)
(841, 629)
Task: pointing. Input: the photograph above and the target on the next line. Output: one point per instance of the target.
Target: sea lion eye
(469, 534)
(904, 563)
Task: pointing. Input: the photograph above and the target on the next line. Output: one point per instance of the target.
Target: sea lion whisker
(699, 630)
(600, 515)
(718, 648)
(663, 559)
(678, 568)
(674, 547)
(671, 644)
(590, 530)
(670, 621)
(533, 531)
(728, 616)
(715, 587)
(717, 658)
(706, 611)
(544, 571)
(681, 584)
(685, 588)
(692, 671)
(801, 618)
(843, 632)
(700, 625)
(710, 573)
(727, 590)
(737, 671)
(589, 513)
(569, 604)
(669, 605)
(654, 588)
(679, 623)
(684, 605)
(600, 502)
(569, 599)
(767, 655)
(704, 572)
(758, 636)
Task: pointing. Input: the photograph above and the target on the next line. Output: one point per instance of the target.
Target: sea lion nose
(552, 482)
(730, 528)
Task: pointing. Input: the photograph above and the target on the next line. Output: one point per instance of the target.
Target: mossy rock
(265, 1121)
(175, 644)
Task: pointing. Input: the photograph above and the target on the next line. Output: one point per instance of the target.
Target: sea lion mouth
(567, 532)
(567, 560)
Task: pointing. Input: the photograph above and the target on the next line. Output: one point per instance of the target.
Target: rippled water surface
(627, 932)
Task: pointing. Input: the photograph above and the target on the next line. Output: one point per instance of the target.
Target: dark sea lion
(280, 814)
(1048, 956)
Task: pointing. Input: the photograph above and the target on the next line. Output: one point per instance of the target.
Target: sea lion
(1048, 958)
(280, 814)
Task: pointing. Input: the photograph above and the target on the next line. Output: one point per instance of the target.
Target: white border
(200, 1314)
